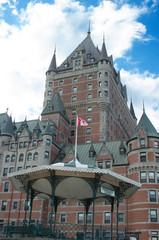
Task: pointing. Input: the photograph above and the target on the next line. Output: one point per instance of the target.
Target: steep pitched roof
(55, 106)
(88, 48)
(48, 130)
(52, 66)
(132, 110)
(146, 124)
(104, 54)
(7, 128)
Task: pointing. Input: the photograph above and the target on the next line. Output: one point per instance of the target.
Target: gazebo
(75, 182)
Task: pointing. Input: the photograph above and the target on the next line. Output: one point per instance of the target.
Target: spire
(52, 67)
(132, 110)
(104, 54)
(48, 130)
(143, 107)
(8, 128)
(89, 31)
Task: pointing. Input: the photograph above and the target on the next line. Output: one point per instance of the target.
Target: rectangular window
(5, 171)
(152, 195)
(4, 205)
(90, 77)
(89, 119)
(89, 110)
(106, 93)
(151, 177)
(88, 131)
(1, 224)
(107, 217)
(89, 86)
(6, 186)
(21, 145)
(60, 83)
(72, 133)
(143, 177)
(142, 142)
(60, 91)
(63, 218)
(142, 157)
(19, 168)
(106, 84)
(89, 217)
(121, 217)
(75, 80)
(15, 205)
(12, 146)
(157, 157)
(73, 122)
(11, 170)
(89, 96)
(74, 99)
(74, 90)
(153, 215)
(48, 142)
(100, 164)
(74, 112)
(158, 177)
(156, 144)
(34, 143)
(46, 155)
(108, 164)
(80, 218)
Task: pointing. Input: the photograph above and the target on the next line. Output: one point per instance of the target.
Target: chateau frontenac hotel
(85, 84)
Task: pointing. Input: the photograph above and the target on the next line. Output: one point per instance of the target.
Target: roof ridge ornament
(89, 31)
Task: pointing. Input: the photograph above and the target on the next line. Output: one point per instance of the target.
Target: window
(72, 133)
(11, 170)
(21, 145)
(1, 224)
(34, 143)
(7, 159)
(48, 142)
(5, 171)
(21, 157)
(106, 74)
(152, 195)
(153, 215)
(108, 164)
(88, 140)
(156, 144)
(73, 122)
(74, 89)
(92, 60)
(75, 80)
(130, 146)
(157, 196)
(157, 157)
(106, 83)
(65, 65)
(53, 217)
(106, 93)
(90, 77)
(60, 92)
(142, 142)
(121, 217)
(50, 84)
(89, 96)
(13, 158)
(74, 99)
(89, 119)
(19, 168)
(99, 94)
(28, 167)
(80, 218)
(143, 177)
(100, 74)
(74, 112)
(151, 177)
(63, 202)
(29, 158)
(26, 205)
(142, 157)
(49, 93)
(6, 186)
(100, 164)
(25, 144)
(158, 177)
(63, 218)
(89, 87)
(77, 62)
(89, 110)
(46, 155)
(35, 158)
(89, 218)
(15, 205)
(4, 205)
(100, 84)
(88, 131)
(60, 83)
(107, 217)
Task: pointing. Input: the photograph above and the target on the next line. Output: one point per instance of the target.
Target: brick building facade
(85, 84)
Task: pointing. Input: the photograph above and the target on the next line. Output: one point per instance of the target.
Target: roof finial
(103, 37)
(143, 107)
(89, 31)
(55, 49)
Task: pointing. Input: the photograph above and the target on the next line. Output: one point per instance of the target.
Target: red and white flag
(81, 122)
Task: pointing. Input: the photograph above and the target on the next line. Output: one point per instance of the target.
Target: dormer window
(88, 55)
(60, 83)
(60, 92)
(92, 60)
(78, 54)
(122, 150)
(66, 65)
(142, 142)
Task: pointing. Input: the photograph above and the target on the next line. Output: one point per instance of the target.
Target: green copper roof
(7, 128)
(146, 124)
(55, 106)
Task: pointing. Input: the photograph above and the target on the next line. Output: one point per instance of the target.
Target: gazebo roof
(75, 181)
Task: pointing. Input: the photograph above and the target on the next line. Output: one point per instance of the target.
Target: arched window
(29, 157)
(21, 157)
(35, 156)
(7, 158)
(13, 158)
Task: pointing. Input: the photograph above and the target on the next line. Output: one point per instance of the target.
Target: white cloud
(143, 88)
(26, 50)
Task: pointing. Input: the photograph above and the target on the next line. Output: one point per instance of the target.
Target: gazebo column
(52, 204)
(112, 210)
(26, 203)
(117, 217)
(31, 205)
(87, 204)
(96, 184)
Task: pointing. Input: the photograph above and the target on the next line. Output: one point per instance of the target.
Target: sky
(30, 30)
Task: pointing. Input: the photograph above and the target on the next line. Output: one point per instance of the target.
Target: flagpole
(76, 137)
